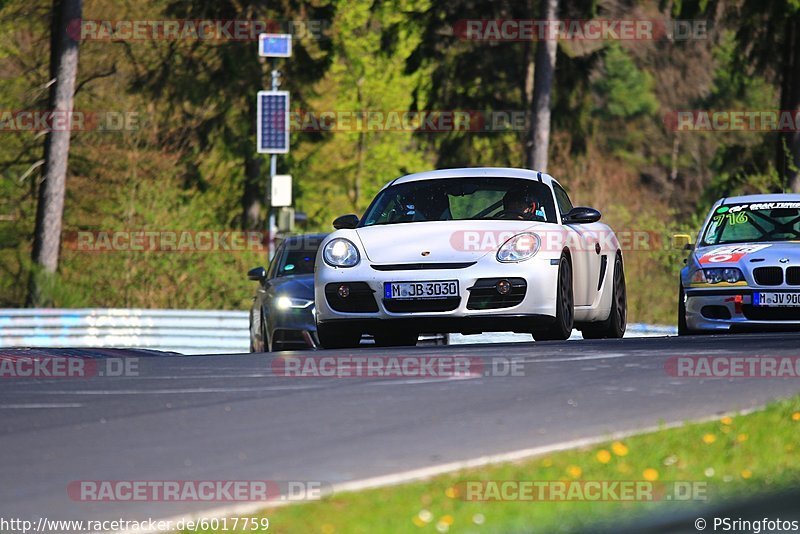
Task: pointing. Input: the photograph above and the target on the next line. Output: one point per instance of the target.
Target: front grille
(484, 296)
(759, 313)
(360, 300)
(793, 276)
(422, 266)
(768, 276)
(423, 305)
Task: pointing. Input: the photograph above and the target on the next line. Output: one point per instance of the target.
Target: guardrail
(184, 331)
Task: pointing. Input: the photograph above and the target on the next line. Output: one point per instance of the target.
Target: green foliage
(624, 90)
(367, 74)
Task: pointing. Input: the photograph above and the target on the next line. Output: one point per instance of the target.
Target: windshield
(744, 223)
(453, 199)
(298, 257)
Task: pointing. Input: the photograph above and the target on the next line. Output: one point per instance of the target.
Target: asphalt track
(230, 418)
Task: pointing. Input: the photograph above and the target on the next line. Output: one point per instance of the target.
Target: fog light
(503, 287)
(343, 291)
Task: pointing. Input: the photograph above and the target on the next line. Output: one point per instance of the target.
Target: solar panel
(273, 122)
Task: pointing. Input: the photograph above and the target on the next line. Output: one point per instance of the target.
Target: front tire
(561, 328)
(613, 327)
(683, 327)
(333, 336)
(257, 345)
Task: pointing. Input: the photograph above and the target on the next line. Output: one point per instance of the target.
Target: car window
(764, 221)
(273, 265)
(562, 199)
(298, 256)
(450, 199)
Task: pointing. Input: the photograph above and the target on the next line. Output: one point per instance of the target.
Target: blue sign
(275, 45)
(272, 136)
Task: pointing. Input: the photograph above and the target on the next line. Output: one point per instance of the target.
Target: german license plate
(776, 300)
(420, 290)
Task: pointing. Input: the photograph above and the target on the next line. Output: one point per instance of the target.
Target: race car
(744, 271)
(469, 251)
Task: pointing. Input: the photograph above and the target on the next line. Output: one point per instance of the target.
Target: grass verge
(733, 456)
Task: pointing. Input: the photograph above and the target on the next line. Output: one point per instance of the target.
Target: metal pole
(272, 227)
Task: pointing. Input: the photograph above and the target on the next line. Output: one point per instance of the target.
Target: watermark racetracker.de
(46, 366)
(414, 367)
(214, 30)
(733, 366)
(196, 490)
(166, 241)
(581, 490)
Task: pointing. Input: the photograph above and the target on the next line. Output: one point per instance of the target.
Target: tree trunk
(542, 88)
(50, 207)
(789, 148)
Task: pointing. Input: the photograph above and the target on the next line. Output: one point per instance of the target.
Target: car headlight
(731, 275)
(341, 252)
(519, 248)
(284, 303)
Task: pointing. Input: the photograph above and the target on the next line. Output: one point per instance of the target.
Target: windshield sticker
(766, 206)
(732, 217)
(730, 254)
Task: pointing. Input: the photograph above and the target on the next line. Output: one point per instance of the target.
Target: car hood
(299, 286)
(439, 241)
(749, 255)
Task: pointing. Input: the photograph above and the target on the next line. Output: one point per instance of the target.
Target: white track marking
(168, 391)
(424, 473)
(40, 405)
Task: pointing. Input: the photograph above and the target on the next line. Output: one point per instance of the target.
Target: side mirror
(346, 221)
(581, 215)
(682, 242)
(257, 274)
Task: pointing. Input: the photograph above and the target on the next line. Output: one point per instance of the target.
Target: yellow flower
(451, 492)
(741, 437)
(417, 521)
(574, 471)
(708, 439)
(796, 416)
(726, 420)
(746, 473)
(447, 519)
(650, 474)
(603, 456)
(619, 448)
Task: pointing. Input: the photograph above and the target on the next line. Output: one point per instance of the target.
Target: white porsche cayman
(470, 251)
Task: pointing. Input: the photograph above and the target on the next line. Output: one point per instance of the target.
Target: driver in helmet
(521, 204)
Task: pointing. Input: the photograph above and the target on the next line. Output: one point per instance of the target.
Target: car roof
(770, 197)
(476, 172)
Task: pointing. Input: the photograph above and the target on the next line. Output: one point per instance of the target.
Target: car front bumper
(462, 314)
(732, 309)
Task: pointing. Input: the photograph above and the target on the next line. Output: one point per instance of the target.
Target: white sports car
(469, 251)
